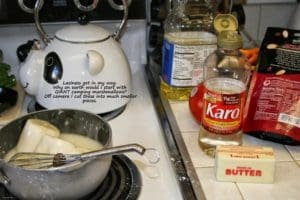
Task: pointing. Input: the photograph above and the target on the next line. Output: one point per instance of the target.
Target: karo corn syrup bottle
(188, 39)
(226, 76)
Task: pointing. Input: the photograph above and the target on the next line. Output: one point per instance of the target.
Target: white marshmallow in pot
(10, 154)
(82, 143)
(53, 145)
(32, 133)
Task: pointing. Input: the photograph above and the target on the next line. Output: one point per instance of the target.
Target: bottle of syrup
(226, 76)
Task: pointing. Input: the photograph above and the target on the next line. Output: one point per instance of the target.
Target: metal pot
(65, 182)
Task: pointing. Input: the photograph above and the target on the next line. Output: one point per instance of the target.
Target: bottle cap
(230, 40)
(223, 22)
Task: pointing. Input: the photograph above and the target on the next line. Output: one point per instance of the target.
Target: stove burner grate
(35, 106)
(123, 181)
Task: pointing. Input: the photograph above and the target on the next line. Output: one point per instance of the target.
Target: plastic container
(188, 39)
(226, 76)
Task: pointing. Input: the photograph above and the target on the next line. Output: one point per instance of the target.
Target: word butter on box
(245, 164)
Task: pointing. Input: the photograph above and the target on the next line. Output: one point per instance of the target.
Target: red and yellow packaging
(273, 106)
(223, 106)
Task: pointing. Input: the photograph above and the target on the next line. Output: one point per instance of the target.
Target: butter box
(253, 164)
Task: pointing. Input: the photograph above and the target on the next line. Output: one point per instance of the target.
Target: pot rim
(69, 166)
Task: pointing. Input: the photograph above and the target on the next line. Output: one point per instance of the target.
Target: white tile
(175, 101)
(280, 152)
(294, 151)
(184, 117)
(198, 157)
(275, 15)
(252, 13)
(215, 190)
(269, 1)
(286, 185)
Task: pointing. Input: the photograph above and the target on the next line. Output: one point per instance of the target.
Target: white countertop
(287, 166)
(139, 124)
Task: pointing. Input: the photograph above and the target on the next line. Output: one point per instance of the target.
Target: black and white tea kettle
(81, 67)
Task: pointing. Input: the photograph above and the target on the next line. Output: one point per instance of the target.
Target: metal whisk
(32, 160)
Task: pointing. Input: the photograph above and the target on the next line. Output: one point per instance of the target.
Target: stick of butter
(253, 164)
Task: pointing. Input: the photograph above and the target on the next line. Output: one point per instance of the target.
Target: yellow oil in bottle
(190, 49)
(175, 93)
(188, 39)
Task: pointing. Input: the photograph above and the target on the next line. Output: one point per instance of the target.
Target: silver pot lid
(82, 33)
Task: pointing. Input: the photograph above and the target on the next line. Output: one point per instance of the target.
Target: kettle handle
(27, 9)
(38, 4)
(117, 34)
(46, 39)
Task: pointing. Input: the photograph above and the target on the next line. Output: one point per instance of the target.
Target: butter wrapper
(252, 164)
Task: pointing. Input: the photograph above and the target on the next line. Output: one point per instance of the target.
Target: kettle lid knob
(83, 19)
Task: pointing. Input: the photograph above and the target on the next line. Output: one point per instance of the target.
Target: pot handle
(46, 39)
(4, 179)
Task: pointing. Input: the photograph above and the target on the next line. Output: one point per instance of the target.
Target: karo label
(213, 111)
(222, 110)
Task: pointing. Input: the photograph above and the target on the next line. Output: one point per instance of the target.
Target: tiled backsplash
(260, 16)
(270, 1)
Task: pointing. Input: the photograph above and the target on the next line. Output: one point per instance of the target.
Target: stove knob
(156, 35)
(158, 10)
(86, 5)
(83, 19)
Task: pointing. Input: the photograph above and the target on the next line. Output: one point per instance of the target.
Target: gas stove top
(138, 122)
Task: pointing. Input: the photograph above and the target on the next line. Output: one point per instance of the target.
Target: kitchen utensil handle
(46, 39)
(117, 33)
(114, 151)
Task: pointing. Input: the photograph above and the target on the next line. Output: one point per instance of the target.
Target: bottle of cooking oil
(188, 39)
(226, 76)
